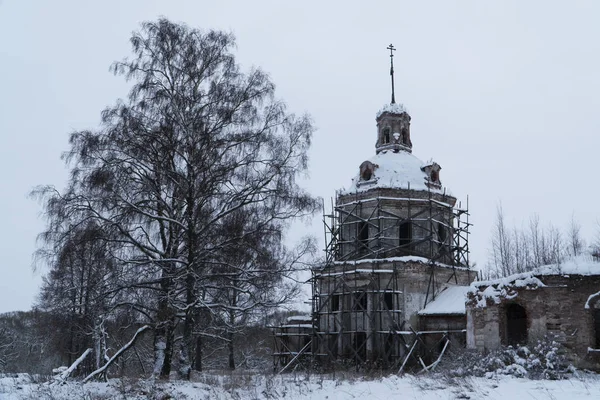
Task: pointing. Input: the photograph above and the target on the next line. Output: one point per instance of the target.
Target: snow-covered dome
(401, 170)
(393, 108)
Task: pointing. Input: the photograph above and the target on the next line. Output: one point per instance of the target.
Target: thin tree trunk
(231, 328)
(188, 331)
(231, 351)
(160, 345)
(190, 282)
(163, 333)
(163, 349)
(166, 368)
(198, 358)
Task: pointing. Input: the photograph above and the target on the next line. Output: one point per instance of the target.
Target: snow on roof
(310, 326)
(580, 265)
(503, 288)
(516, 280)
(392, 109)
(450, 301)
(417, 259)
(492, 291)
(299, 318)
(394, 170)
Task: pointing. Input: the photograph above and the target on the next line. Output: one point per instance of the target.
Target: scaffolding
(358, 312)
(361, 227)
(343, 329)
(293, 343)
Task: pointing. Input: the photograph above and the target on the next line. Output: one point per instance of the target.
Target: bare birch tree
(196, 141)
(575, 243)
(516, 250)
(501, 246)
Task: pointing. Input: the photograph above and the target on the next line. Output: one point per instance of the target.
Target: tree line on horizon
(518, 249)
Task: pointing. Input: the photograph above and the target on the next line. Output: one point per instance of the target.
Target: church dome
(395, 170)
(394, 108)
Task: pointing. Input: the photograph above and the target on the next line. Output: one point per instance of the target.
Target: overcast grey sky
(503, 95)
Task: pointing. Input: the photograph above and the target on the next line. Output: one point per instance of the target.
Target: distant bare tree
(82, 273)
(26, 343)
(515, 250)
(8, 348)
(575, 243)
(522, 251)
(594, 246)
(537, 240)
(502, 246)
(555, 246)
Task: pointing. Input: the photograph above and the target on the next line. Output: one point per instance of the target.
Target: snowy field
(292, 387)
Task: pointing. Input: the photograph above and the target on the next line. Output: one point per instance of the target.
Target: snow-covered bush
(545, 360)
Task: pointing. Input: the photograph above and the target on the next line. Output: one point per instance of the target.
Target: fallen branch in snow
(102, 370)
(65, 374)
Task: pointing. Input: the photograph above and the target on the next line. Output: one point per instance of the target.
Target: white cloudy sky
(503, 94)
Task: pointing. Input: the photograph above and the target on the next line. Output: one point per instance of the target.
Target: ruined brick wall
(483, 329)
(557, 309)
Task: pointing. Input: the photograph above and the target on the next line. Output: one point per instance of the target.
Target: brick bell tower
(393, 121)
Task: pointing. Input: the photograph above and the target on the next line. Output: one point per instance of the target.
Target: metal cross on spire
(392, 49)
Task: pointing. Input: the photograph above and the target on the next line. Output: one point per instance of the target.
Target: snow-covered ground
(295, 387)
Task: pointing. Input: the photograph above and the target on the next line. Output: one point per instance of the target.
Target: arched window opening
(366, 174)
(404, 136)
(516, 324)
(366, 170)
(388, 300)
(405, 235)
(362, 235)
(335, 302)
(435, 176)
(386, 135)
(442, 232)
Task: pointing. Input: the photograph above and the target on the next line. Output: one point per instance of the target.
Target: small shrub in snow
(544, 361)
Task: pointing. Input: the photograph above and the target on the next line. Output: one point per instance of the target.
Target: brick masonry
(557, 309)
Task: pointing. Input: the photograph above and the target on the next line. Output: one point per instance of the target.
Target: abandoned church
(396, 264)
(396, 288)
